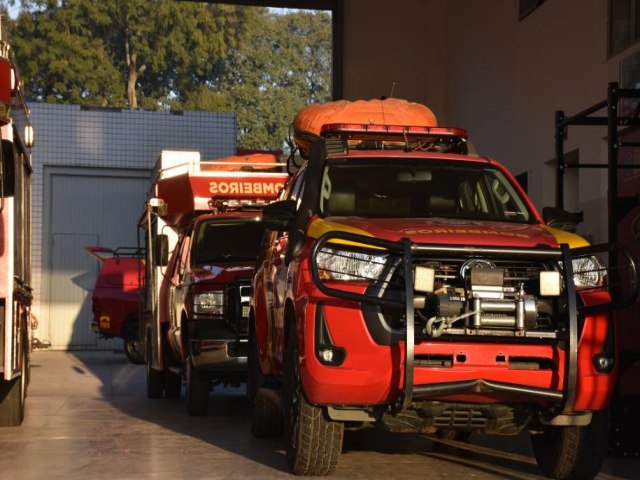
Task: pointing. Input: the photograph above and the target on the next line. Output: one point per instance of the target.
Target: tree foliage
(183, 55)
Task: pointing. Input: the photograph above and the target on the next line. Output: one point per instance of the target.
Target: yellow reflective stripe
(562, 236)
(319, 227)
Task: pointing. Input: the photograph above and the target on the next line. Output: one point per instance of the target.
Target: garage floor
(88, 418)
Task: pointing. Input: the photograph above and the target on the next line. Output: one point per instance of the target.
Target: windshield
(227, 241)
(392, 188)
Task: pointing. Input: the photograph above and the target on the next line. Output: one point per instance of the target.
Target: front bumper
(374, 374)
(555, 369)
(213, 347)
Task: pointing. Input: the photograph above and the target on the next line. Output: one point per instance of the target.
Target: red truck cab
(408, 283)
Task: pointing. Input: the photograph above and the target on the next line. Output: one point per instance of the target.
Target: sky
(14, 10)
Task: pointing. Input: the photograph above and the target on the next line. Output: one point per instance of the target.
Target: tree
(182, 55)
(91, 52)
(284, 65)
(59, 62)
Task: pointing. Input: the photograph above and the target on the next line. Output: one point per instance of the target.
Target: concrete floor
(88, 418)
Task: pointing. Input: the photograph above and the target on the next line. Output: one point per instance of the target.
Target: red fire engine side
(202, 234)
(408, 283)
(15, 239)
(117, 297)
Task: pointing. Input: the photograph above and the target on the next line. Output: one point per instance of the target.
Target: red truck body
(16, 135)
(117, 297)
(408, 283)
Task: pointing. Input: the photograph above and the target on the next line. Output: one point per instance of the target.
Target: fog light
(330, 355)
(326, 355)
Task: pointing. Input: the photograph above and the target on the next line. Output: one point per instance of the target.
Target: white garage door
(85, 207)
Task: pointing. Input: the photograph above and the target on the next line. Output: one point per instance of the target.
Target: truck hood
(221, 274)
(449, 231)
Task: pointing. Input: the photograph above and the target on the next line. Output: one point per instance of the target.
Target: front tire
(155, 378)
(13, 394)
(133, 346)
(172, 384)
(314, 442)
(266, 414)
(198, 388)
(567, 453)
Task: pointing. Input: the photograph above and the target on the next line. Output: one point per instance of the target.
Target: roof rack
(342, 137)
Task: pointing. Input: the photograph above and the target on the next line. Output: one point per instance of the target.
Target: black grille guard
(405, 250)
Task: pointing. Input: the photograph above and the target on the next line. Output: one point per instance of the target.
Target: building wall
(508, 77)
(91, 149)
(384, 46)
(479, 67)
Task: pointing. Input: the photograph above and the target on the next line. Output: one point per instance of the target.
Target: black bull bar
(620, 261)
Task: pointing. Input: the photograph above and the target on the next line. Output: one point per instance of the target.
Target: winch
(485, 302)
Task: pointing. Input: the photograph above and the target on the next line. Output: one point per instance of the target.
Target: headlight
(211, 303)
(587, 272)
(334, 264)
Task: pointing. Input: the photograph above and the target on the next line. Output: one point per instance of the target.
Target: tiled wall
(74, 136)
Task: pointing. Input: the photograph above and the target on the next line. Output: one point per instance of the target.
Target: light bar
(394, 129)
(223, 205)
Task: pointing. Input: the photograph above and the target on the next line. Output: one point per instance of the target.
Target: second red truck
(202, 232)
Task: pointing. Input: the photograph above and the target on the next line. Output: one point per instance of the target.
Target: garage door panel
(70, 304)
(87, 208)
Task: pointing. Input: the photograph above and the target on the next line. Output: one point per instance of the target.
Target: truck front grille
(516, 272)
(457, 299)
(237, 298)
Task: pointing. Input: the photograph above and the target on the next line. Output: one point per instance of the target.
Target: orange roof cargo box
(308, 123)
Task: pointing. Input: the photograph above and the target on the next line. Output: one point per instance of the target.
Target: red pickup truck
(202, 231)
(410, 283)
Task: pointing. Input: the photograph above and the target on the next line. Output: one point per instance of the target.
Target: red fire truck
(408, 283)
(15, 239)
(202, 230)
(117, 297)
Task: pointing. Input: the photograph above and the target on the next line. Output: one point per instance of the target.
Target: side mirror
(161, 250)
(558, 218)
(279, 216)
